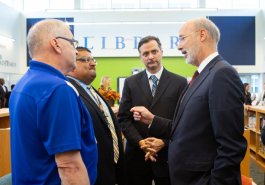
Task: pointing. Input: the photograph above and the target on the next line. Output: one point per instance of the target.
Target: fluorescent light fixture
(122, 23)
(6, 39)
(133, 10)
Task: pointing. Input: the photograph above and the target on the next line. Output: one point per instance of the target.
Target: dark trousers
(134, 178)
(145, 181)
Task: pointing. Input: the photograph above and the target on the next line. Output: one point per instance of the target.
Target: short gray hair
(207, 24)
(42, 32)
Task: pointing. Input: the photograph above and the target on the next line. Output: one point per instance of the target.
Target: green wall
(122, 67)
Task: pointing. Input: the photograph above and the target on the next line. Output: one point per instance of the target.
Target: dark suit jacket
(2, 96)
(207, 143)
(137, 92)
(107, 170)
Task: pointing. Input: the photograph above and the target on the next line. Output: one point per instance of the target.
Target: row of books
(252, 122)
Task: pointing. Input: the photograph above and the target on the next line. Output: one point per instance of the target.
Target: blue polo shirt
(47, 118)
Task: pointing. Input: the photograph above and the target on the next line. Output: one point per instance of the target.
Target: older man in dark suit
(159, 90)
(207, 143)
(108, 134)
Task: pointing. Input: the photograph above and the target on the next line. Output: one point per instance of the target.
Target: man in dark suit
(207, 143)
(160, 96)
(110, 169)
(3, 93)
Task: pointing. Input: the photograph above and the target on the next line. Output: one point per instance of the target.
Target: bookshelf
(5, 162)
(255, 120)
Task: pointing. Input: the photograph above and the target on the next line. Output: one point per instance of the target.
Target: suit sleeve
(125, 117)
(226, 99)
(162, 126)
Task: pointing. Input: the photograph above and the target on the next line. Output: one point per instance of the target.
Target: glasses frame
(73, 42)
(87, 60)
(183, 37)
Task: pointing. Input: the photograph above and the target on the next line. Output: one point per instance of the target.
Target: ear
(56, 45)
(203, 34)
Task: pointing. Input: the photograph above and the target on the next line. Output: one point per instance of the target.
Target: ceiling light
(6, 39)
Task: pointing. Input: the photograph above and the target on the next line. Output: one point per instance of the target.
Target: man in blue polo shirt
(52, 137)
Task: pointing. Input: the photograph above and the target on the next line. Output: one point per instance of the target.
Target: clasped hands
(151, 146)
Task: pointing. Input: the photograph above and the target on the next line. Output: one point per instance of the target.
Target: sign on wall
(237, 44)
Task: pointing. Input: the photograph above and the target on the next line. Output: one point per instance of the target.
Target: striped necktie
(154, 86)
(110, 125)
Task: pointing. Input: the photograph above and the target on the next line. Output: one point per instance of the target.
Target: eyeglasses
(86, 60)
(183, 37)
(73, 42)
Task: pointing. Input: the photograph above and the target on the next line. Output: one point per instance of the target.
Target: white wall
(161, 16)
(14, 25)
(12, 54)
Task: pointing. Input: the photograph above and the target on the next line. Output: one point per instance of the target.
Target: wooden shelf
(4, 118)
(252, 130)
(5, 162)
(261, 154)
(252, 155)
(256, 113)
(252, 147)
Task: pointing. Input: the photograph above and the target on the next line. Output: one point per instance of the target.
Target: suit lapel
(162, 86)
(191, 90)
(87, 98)
(110, 110)
(179, 102)
(143, 84)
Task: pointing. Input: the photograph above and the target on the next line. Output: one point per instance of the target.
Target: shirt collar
(206, 61)
(34, 64)
(80, 82)
(158, 74)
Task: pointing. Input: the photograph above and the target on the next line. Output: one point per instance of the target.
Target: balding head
(198, 38)
(51, 42)
(208, 25)
(42, 32)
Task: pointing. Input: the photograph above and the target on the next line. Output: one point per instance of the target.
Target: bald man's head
(42, 32)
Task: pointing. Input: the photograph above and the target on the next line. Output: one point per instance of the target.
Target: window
(126, 4)
(254, 80)
(95, 4)
(233, 4)
(183, 3)
(62, 4)
(33, 5)
(154, 4)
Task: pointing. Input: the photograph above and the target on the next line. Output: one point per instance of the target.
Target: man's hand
(155, 143)
(140, 113)
(143, 145)
(151, 146)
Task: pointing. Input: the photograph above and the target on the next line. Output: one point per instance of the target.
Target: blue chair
(6, 179)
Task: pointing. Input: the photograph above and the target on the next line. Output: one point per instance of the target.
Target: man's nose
(179, 46)
(150, 56)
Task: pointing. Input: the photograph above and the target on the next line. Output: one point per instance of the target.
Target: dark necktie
(195, 75)
(154, 86)
(110, 124)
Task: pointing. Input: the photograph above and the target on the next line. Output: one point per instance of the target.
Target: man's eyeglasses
(183, 37)
(73, 42)
(86, 60)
